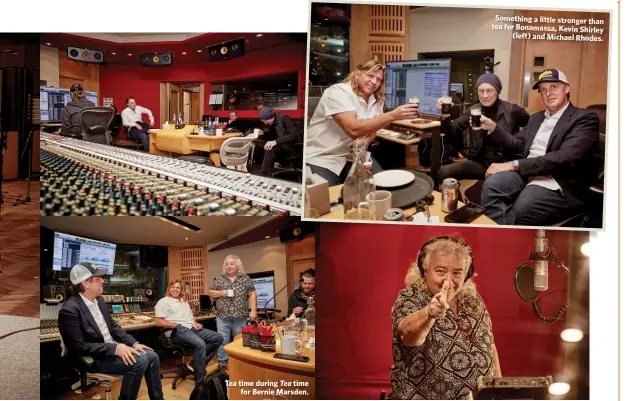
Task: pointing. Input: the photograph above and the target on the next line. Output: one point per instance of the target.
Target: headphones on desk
(456, 240)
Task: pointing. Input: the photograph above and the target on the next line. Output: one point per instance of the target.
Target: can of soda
(449, 195)
(394, 215)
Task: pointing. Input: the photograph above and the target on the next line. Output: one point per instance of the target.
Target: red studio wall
(365, 266)
(120, 81)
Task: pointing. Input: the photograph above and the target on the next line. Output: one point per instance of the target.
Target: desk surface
(435, 209)
(236, 350)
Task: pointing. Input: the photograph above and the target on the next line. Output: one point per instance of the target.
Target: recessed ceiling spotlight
(184, 53)
(48, 44)
(129, 54)
(259, 35)
(199, 51)
(113, 53)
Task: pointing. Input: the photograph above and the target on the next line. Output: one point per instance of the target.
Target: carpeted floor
(19, 358)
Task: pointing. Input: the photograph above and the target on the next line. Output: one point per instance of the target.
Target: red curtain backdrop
(120, 81)
(361, 269)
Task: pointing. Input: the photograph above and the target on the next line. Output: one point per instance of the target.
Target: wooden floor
(183, 391)
(19, 251)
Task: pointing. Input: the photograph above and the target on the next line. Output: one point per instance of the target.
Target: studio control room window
(278, 91)
(329, 44)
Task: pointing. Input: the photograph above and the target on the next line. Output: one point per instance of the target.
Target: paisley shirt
(457, 350)
(238, 305)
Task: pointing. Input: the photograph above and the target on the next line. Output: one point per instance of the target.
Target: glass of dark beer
(476, 113)
(446, 105)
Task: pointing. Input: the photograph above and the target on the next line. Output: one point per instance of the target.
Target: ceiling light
(184, 53)
(199, 51)
(48, 44)
(186, 238)
(559, 388)
(129, 54)
(587, 248)
(113, 53)
(259, 35)
(267, 237)
(572, 335)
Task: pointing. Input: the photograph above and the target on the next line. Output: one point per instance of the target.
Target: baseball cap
(85, 270)
(551, 75)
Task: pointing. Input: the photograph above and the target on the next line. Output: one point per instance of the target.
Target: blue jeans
(509, 200)
(146, 365)
(135, 133)
(228, 327)
(203, 344)
(334, 179)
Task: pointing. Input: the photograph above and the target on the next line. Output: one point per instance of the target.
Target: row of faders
(84, 179)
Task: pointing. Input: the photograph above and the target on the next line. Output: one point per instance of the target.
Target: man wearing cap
(132, 120)
(87, 329)
(510, 117)
(70, 125)
(554, 174)
(283, 138)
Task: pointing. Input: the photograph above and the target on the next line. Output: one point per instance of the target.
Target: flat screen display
(70, 250)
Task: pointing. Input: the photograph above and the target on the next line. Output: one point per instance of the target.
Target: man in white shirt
(347, 111)
(87, 329)
(132, 120)
(173, 312)
(558, 167)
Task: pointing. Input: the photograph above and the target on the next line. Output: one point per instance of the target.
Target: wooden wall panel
(379, 31)
(300, 256)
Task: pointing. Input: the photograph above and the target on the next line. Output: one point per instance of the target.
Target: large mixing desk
(83, 178)
(49, 327)
(185, 141)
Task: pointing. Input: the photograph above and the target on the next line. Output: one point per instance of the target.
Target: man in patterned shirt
(236, 300)
(442, 333)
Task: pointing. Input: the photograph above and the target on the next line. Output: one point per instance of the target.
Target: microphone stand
(30, 163)
(267, 302)
(3, 144)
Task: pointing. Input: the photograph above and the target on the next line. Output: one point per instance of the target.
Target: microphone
(540, 257)
(274, 295)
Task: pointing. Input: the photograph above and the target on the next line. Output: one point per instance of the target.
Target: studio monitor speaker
(86, 55)
(55, 292)
(227, 50)
(156, 59)
(297, 231)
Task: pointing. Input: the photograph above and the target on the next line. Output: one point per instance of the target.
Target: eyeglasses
(489, 92)
(551, 88)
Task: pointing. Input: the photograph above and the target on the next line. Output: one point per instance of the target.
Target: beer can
(394, 215)
(449, 195)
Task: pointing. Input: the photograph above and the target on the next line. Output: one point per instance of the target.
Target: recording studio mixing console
(83, 178)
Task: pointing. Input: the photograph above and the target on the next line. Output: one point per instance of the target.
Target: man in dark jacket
(298, 300)
(87, 329)
(281, 138)
(510, 117)
(557, 168)
(70, 114)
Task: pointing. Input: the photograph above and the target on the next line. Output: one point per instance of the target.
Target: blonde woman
(236, 300)
(173, 312)
(440, 320)
(347, 111)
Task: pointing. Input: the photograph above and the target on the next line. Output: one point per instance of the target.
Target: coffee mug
(381, 201)
(257, 131)
(290, 345)
(230, 293)
(219, 132)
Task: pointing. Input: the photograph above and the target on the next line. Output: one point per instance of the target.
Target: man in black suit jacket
(87, 329)
(284, 138)
(558, 165)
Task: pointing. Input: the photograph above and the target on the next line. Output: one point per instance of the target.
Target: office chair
(83, 364)
(177, 347)
(235, 152)
(95, 123)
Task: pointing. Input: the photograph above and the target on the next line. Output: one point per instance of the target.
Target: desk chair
(95, 123)
(177, 347)
(83, 364)
(235, 152)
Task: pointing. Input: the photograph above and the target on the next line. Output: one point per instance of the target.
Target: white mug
(257, 131)
(290, 345)
(230, 293)
(382, 202)
(219, 132)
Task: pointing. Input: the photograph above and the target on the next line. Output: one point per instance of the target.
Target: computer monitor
(70, 250)
(51, 103)
(427, 79)
(264, 283)
(92, 97)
